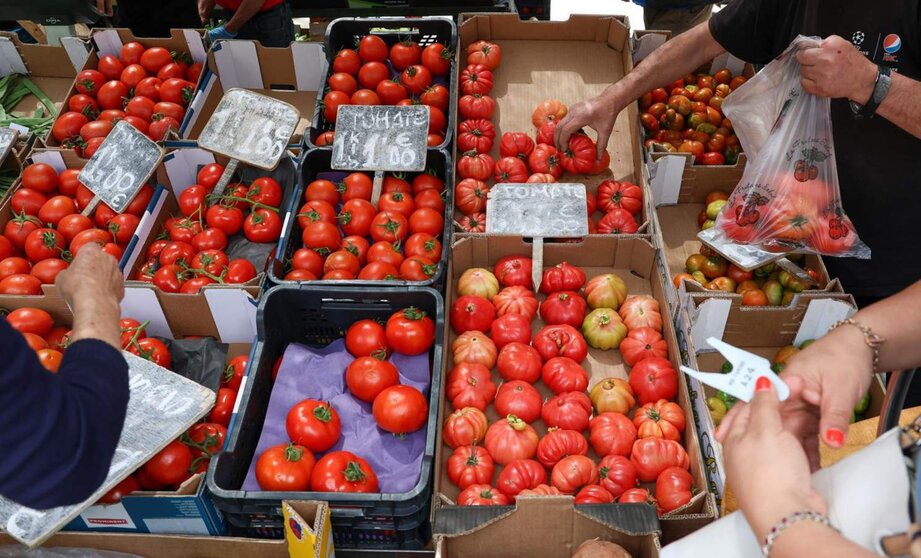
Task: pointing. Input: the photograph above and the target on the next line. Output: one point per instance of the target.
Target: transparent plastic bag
(788, 198)
(60, 552)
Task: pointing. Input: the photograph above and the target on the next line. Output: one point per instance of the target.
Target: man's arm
(677, 57)
(246, 11)
(837, 69)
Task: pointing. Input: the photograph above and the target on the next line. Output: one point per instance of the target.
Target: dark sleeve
(58, 432)
(748, 29)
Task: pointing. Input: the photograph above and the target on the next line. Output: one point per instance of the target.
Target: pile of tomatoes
(493, 330)
(315, 427)
(687, 117)
(47, 229)
(193, 251)
(403, 74)
(767, 285)
(149, 88)
(346, 237)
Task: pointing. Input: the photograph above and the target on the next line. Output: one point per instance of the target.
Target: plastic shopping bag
(788, 198)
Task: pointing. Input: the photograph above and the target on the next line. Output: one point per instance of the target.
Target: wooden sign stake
(229, 171)
(537, 261)
(377, 186)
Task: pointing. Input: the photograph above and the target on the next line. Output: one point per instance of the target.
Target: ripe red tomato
(511, 438)
(482, 495)
(510, 328)
(470, 465)
(367, 338)
(66, 128)
(514, 271)
(223, 407)
(233, 373)
(475, 135)
(112, 95)
(240, 270)
(651, 456)
(613, 194)
(476, 79)
(176, 90)
(154, 350)
(642, 343)
(390, 226)
(368, 376)
(562, 374)
(228, 219)
(400, 409)
(471, 313)
(465, 427)
(170, 465)
(42, 244)
(563, 307)
(372, 73)
(31, 320)
(562, 277)
(285, 468)
(519, 361)
(594, 494)
(519, 398)
(573, 472)
(40, 177)
(653, 379)
(470, 385)
(423, 245)
(569, 410)
(56, 208)
(521, 474)
(662, 419)
(410, 331)
(343, 471)
(560, 340)
(417, 268)
(436, 96)
(545, 159)
(50, 359)
(372, 48)
(262, 225)
(20, 284)
(314, 425)
(47, 270)
(124, 488)
(416, 79)
(617, 474)
(405, 54)
(204, 440)
(437, 59)
(673, 489)
(123, 227)
(612, 434)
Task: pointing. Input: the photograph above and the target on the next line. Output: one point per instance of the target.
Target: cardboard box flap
(238, 64)
(307, 529)
(10, 60)
(726, 60)
(820, 316)
(78, 50)
(709, 320)
(645, 42)
(612, 30)
(234, 312)
(143, 301)
(310, 65)
(182, 167)
(635, 520)
(52, 158)
(666, 179)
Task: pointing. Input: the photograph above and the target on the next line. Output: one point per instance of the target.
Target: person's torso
(234, 5)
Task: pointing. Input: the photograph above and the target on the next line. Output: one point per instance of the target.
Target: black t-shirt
(878, 162)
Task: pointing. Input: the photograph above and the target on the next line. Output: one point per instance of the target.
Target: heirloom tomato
(478, 281)
(636, 496)
(516, 144)
(642, 343)
(519, 398)
(472, 313)
(651, 456)
(603, 328)
(514, 271)
(562, 277)
(470, 196)
(617, 221)
(470, 465)
(486, 53)
(569, 410)
(476, 135)
(662, 419)
(560, 340)
(519, 361)
(612, 395)
(516, 300)
(521, 474)
(550, 110)
(573, 472)
(510, 328)
(652, 379)
(673, 489)
(481, 495)
(624, 195)
(641, 311)
(562, 374)
(470, 385)
(612, 434)
(594, 494)
(557, 444)
(563, 307)
(617, 474)
(511, 438)
(465, 427)
(474, 347)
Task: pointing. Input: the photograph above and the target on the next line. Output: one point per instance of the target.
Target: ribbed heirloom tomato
(560, 443)
(521, 474)
(612, 434)
(519, 361)
(509, 439)
(519, 398)
(652, 379)
(470, 385)
(510, 328)
(662, 419)
(465, 427)
(470, 465)
(569, 410)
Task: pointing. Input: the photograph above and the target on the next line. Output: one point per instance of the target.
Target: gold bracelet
(872, 340)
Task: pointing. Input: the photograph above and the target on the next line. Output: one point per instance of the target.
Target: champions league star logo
(857, 38)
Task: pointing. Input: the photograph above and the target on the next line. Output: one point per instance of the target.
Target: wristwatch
(880, 90)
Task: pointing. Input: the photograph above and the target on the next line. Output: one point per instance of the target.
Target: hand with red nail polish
(766, 465)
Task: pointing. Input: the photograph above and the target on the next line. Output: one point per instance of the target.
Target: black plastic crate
(383, 533)
(317, 316)
(318, 160)
(346, 32)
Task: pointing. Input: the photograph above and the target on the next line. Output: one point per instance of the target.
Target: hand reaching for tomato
(93, 286)
(598, 113)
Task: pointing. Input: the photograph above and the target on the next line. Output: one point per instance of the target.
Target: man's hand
(598, 113)
(837, 69)
(204, 10)
(93, 286)
(104, 7)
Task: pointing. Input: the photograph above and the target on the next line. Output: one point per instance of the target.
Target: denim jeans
(272, 28)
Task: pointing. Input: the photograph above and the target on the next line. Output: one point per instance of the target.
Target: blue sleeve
(58, 432)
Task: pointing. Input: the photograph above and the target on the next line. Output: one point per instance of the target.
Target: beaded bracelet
(789, 520)
(871, 339)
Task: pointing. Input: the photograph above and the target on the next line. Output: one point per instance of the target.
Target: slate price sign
(250, 127)
(7, 139)
(121, 165)
(381, 138)
(537, 210)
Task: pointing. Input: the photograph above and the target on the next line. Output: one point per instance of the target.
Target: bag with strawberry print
(788, 198)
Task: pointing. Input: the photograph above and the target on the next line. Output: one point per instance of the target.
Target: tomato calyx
(353, 472)
(187, 269)
(413, 313)
(379, 354)
(516, 423)
(293, 453)
(322, 413)
(133, 342)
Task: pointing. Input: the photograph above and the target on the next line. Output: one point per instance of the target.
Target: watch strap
(880, 91)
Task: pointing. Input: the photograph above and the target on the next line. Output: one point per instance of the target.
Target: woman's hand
(765, 464)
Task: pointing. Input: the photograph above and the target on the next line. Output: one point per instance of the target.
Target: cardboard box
(678, 202)
(547, 527)
(307, 536)
(568, 60)
(760, 330)
(293, 74)
(110, 41)
(62, 159)
(52, 68)
(633, 259)
(227, 312)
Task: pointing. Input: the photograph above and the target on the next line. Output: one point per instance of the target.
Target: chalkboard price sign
(162, 406)
(381, 138)
(250, 127)
(7, 140)
(121, 165)
(537, 210)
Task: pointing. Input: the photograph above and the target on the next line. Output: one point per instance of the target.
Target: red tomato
(307, 260)
(514, 271)
(642, 343)
(651, 456)
(318, 210)
(223, 407)
(368, 376)
(366, 338)
(482, 495)
(423, 245)
(228, 219)
(66, 129)
(470, 465)
(89, 81)
(372, 48)
(476, 79)
(152, 349)
(172, 70)
(123, 227)
(437, 59)
(416, 79)
(321, 236)
(562, 374)
(314, 425)
(85, 237)
(673, 489)
(653, 379)
(662, 419)
(569, 410)
(240, 271)
(30, 320)
(372, 73)
(209, 175)
(131, 53)
(613, 194)
(124, 488)
(176, 90)
(112, 95)
(410, 331)
(285, 468)
(262, 225)
(343, 471)
(519, 361)
(20, 284)
(562, 277)
(560, 340)
(612, 434)
(573, 472)
(485, 53)
(465, 427)
(400, 409)
(347, 61)
(42, 244)
(563, 307)
(161, 126)
(155, 58)
(470, 385)
(132, 75)
(417, 268)
(47, 270)
(519, 398)
(56, 208)
(511, 438)
(390, 226)
(149, 87)
(471, 313)
(521, 474)
(510, 328)
(617, 474)
(357, 185)
(170, 465)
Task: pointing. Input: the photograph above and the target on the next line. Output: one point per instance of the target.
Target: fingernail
(763, 383)
(834, 437)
